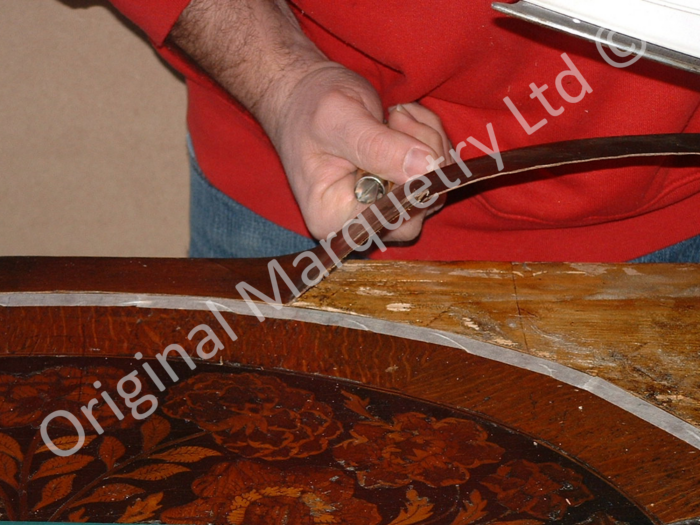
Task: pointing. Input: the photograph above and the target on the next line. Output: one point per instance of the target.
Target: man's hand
(324, 120)
(332, 125)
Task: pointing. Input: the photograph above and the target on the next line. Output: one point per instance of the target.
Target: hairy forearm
(254, 49)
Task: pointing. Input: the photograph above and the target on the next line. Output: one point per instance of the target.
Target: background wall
(92, 135)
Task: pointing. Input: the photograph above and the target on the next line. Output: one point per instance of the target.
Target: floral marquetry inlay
(237, 446)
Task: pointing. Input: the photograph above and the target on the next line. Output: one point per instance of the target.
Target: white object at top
(674, 24)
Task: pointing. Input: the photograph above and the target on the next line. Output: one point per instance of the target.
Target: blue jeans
(687, 251)
(221, 227)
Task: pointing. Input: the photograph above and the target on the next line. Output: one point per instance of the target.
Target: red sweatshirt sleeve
(155, 17)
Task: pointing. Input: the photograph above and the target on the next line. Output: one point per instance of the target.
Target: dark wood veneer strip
(197, 277)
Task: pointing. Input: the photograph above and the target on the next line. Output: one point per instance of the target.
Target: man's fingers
(421, 123)
(408, 230)
(377, 148)
(402, 118)
(431, 123)
(426, 116)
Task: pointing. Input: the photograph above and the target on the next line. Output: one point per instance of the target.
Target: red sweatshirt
(461, 59)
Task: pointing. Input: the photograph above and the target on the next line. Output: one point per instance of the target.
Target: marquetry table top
(392, 393)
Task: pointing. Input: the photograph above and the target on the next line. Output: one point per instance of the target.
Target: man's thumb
(378, 149)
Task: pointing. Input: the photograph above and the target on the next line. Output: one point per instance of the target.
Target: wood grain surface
(653, 469)
(634, 325)
(637, 326)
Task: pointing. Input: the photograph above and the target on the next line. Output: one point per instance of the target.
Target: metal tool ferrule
(369, 188)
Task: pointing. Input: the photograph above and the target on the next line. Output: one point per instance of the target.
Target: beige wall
(92, 127)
